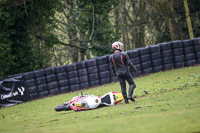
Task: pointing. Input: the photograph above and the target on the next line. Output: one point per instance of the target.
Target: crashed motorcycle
(87, 102)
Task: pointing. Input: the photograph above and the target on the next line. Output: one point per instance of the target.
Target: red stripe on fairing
(122, 60)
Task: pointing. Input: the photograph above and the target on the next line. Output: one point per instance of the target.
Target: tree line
(37, 34)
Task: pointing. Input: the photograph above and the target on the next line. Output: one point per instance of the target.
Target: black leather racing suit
(120, 62)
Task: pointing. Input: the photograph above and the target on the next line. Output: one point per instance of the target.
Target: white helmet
(117, 45)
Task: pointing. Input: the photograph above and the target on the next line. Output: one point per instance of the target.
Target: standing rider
(120, 62)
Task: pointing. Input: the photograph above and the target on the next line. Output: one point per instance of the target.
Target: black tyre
(28, 75)
(135, 61)
(80, 65)
(114, 79)
(83, 79)
(101, 60)
(178, 51)
(52, 85)
(154, 48)
(168, 66)
(188, 50)
(82, 72)
(71, 67)
(91, 63)
(197, 48)
(74, 87)
(168, 60)
(32, 89)
(136, 74)
(30, 83)
(43, 94)
(50, 78)
(33, 96)
(61, 76)
(146, 65)
(189, 57)
(94, 83)
(176, 44)
(49, 71)
(103, 75)
(38, 73)
(157, 62)
(143, 51)
(198, 61)
(147, 71)
(84, 85)
(179, 58)
(187, 43)
(155, 56)
(72, 74)
(138, 67)
(63, 107)
(73, 81)
(179, 64)
(41, 88)
(63, 83)
(91, 70)
(197, 55)
(145, 58)
(40, 81)
(105, 81)
(190, 63)
(133, 54)
(93, 77)
(165, 46)
(54, 92)
(157, 69)
(102, 68)
(166, 53)
(60, 69)
(196, 41)
(64, 89)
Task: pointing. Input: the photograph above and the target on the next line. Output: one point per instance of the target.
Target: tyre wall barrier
(98, 71)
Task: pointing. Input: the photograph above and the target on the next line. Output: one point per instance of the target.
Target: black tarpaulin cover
(12, 91)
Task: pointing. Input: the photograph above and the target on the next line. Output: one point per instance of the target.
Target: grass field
(165, 102)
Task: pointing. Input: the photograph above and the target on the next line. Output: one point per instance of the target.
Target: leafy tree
(85, 27)
(26, 34)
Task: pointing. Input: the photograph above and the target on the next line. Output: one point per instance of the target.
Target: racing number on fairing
(78, 104)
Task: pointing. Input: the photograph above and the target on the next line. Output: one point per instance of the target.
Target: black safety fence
(97, 71)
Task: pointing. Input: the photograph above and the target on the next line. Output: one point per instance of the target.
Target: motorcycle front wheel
(63, 107)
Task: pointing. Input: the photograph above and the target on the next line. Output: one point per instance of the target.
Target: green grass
(165, 102)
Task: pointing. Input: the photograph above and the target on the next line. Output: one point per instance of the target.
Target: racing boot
(131, 89)
(125, 99)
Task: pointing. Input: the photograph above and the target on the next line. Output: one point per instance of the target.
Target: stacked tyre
(156, 58)
(61, 77)
(178, 54)
(30, 85)
(196, 44)
(103, 70)
(145, 60)
(189, 53)
(167, 56)
(50, 82)
(82, 75)
(73, 77)
(92, 72)
(134, 56)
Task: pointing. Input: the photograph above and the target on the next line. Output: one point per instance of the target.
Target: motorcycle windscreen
(111, 98)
